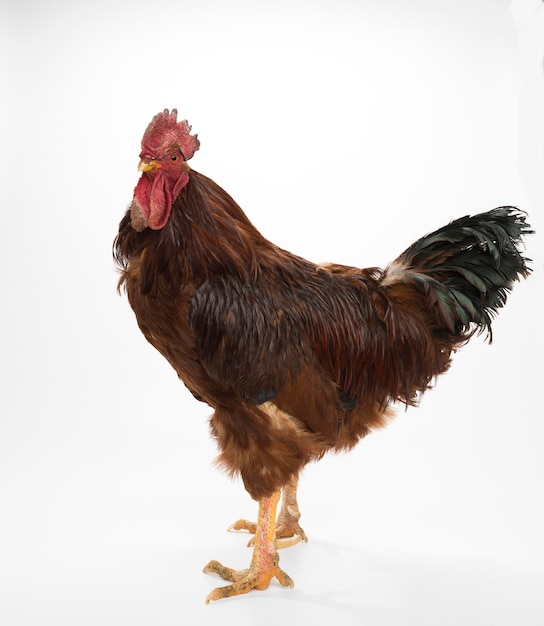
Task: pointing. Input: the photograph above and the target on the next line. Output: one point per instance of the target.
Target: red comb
(165, 131)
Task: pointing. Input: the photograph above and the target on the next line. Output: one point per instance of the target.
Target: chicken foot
(264, 562)
(288, 530)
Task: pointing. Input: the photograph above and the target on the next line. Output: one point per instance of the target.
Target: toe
(226, 573)
(243, 524)
(244, 581)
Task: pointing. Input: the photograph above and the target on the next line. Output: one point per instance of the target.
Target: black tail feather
(467, 268)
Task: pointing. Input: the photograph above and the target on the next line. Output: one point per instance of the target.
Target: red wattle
(139, 209)
(153, 199)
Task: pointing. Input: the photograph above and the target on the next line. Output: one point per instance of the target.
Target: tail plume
(466, 269)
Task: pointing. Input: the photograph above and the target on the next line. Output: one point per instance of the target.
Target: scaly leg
(287, 523)
(264, 562)
(288, 530)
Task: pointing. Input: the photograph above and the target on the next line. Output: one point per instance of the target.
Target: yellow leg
(287, 523)
(264, 562)
(288, 530)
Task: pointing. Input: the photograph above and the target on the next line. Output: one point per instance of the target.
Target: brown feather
(329, 347)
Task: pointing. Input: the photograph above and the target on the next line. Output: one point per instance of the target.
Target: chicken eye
(174, 157)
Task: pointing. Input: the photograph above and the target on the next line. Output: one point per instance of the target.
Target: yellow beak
(148, 166)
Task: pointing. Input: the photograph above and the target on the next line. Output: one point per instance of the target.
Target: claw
(243, 524)
(244, 581)
(264, 562)
(288, 530)
(286, 536)
(287, 542)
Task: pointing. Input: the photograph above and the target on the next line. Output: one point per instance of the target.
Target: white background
(346, 130)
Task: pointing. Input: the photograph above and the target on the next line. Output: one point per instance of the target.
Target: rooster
(296, 359)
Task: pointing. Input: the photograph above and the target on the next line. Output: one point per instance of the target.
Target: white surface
(345, 130)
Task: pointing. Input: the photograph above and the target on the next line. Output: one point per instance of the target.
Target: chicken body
(295, 359)
(247, 325)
